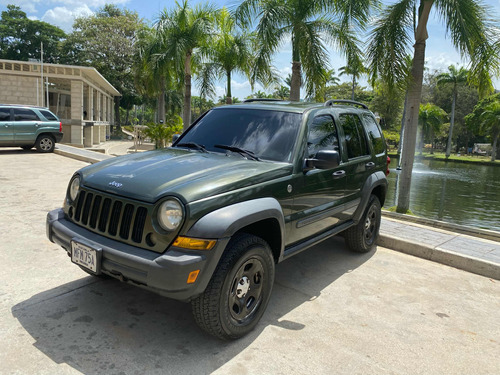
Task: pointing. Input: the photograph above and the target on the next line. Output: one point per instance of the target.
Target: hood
(190, 175)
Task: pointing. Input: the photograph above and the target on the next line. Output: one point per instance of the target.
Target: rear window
(374, 134)
(48, 115)
(4, 114)
(270, 135)
(23, 114)
(354, 136)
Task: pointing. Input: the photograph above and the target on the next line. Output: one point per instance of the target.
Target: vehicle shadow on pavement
(17, 150)
(104, 326)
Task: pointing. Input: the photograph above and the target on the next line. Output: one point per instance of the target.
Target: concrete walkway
(457, 246)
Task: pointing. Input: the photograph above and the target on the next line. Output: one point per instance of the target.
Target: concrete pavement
(331, 311)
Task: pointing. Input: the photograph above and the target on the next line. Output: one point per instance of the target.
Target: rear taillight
(60, 127)
(387, 169)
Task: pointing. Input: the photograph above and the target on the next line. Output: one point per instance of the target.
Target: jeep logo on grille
(115, 184)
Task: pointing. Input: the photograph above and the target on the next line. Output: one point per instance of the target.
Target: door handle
(37, 124)
(370, 165)
(338, 174)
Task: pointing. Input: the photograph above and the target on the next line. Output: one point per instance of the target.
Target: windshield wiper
(241, 151)
(193, 145)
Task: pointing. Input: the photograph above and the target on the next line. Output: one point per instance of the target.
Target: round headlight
(170, 214)
(74, 186)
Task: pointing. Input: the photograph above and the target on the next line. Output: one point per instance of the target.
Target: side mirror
(324, 159)
(175, 137)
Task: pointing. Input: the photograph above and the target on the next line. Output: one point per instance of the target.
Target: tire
(45, 143)
(239, 291)
(363, 237)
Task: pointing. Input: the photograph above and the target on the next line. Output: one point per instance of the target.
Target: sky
(439, 52)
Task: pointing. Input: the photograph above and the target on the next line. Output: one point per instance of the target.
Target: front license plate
(85, 256)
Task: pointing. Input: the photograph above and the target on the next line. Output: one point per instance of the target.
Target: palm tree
(404, 24)
(183, 30)
(309, 23)
(430, 117)
(490, 122)
(229, 51)
(354, 69)
(454, 77)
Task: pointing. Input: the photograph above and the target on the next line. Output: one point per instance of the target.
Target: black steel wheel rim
(370, 225)
(246, 293)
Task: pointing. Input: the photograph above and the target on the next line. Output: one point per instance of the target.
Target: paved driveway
(331, 311)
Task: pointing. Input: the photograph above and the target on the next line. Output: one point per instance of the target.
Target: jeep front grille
(109, 216)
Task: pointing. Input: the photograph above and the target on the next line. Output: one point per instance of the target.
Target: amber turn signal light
(193, 276)
(194, 243)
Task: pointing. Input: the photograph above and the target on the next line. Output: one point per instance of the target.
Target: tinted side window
(22, 114)
(322, 135)
(354, 135)
(374, 134)
(49, 116)
(4, 114)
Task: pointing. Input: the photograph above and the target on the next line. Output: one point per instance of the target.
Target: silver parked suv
(27, 126)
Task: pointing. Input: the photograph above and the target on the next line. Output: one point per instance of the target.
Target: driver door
(319, 193)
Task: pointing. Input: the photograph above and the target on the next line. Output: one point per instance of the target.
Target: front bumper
(165, 274)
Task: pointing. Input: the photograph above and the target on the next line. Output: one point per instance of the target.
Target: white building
(80, 96)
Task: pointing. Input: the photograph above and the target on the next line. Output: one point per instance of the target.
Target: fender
(226, 221)
(375, 179)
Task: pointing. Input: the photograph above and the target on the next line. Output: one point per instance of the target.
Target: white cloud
(64, 17)
(28, 6)
(88, 3)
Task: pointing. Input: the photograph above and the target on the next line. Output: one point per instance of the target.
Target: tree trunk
(295, 81)
(229, 97)
(452, 122)
(411, 120)
(494, 150)
(353, 86)
(117, 111)
(186, 114)
(161, 102)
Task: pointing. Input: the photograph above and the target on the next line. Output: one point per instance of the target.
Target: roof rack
(261, 100)
(344, 101)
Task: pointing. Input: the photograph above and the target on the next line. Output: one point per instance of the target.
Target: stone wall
(19, 90)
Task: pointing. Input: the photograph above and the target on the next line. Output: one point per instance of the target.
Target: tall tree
(355, 69)
(485, 119)
(430, 118)
(453, 77)
(310, 23)
(21, 38)
(227, 52)
(404, 24)
(107, 41)
(185, 29)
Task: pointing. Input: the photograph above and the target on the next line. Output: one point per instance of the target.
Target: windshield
(270, 135)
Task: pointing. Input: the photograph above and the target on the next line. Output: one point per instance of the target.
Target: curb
(446, 257)
(456, 228)
(76, 156)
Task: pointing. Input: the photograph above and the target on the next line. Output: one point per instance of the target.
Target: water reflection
(466, 194)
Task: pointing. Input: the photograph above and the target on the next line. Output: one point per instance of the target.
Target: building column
(91, 103)
(97, 135)
(89, 136)
(98, 109)
(76, 136)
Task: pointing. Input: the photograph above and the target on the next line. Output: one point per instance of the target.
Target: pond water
(466, 194)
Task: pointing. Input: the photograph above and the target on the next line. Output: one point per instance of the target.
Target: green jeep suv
(244, 188)
(27, 126)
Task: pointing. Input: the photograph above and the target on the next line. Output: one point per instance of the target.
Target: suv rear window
(49, 116)
(4, 114)
(23, 114)
(270, 135)
(374, 134)
(354, 135)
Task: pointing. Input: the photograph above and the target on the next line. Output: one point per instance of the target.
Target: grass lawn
(454, 157)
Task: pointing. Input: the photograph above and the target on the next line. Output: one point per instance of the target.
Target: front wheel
(363, 236)
(45, 143)
(239, 291)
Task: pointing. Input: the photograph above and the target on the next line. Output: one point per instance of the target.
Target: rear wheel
(45, 143)
(239, 291)
(363, 236)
